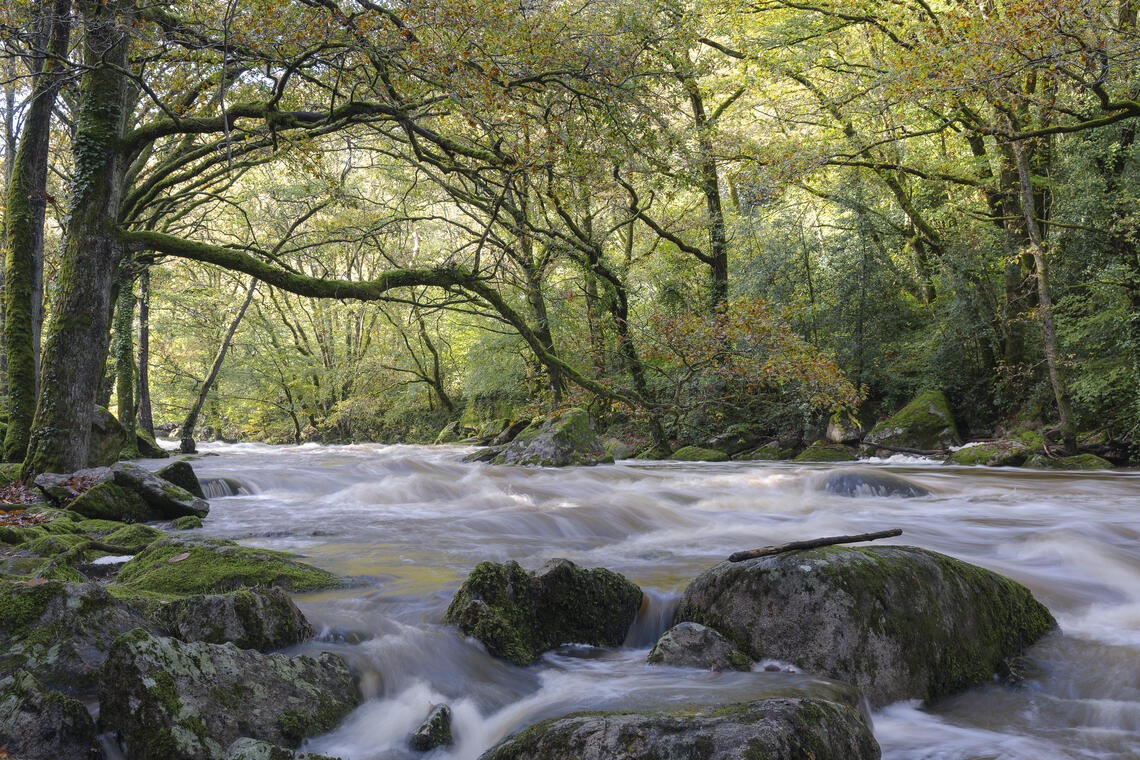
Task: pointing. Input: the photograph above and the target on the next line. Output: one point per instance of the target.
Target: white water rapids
(407, 523)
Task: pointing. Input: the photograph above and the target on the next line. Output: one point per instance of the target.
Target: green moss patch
(822, 452)
(698, 454)
(110, 501)
(1078, 462)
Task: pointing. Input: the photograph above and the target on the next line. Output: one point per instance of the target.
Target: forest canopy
(325, 220)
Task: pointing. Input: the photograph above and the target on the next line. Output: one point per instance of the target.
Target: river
(407, 523)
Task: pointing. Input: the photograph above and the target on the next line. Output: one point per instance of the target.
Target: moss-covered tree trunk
(146, 418)
(124, 353)
(76, 347)
(24, 226)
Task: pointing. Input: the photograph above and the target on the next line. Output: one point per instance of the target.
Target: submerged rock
(519, 615)
(181, 474)
(897, 622)
(434, 732)
(692, 645)
(771, 729)
(863, 482)
(262, 619)
(253, 749)
(925, 424)
(171, 700)
(556, 441)
(37, 724)
(187, 564)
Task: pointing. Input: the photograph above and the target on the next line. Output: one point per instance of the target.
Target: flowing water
(407, 523)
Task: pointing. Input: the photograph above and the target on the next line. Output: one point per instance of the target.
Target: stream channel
(407, 523)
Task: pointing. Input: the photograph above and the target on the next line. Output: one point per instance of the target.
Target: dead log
(814, 543)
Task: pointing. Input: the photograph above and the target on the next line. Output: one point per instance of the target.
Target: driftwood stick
(814, 543)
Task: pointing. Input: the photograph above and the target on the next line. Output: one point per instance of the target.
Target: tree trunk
(187, 438)
(146, 418)
(125, 362)
(24, 227)
(1045, 303)
(76, 348)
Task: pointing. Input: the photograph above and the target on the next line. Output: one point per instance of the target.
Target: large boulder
(124, 491)
(556, 441)
(110, 501)
(825, 452)
(261, 618)
(896, 621)
(165, 499)
(60, 631)
(181, 474)
(148, 447)
(62, 488)
(772, 729)
(991, 454)
(519, 615)
(692, 645)
(859, 481)
(181, 565)
(37, 724)
(925, 424)
(107, 439)
(171, 700)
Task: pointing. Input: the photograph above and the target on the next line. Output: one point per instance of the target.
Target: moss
(110, 501)
(213, 566)
(1078, 462)
(698, 454)
(924, 423)
(51, 545)
(9, 471)
(296, 726)
(21, 604)
(822, 452)
(996, 454)
(134, 538)
(188, 522)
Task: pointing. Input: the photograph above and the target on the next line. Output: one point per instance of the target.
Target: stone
(188, 564)
(692, 645)
(736, 439)
(486, 454)
(825, 452)
(1078, 462)
(148, 447)
(698, 454)
(619, 449)
(188, 522)
(452, 432)
(769, 452)
(38, 724)
(842, 429)
(510, 432)
(181, 474)
(164, 498)
(991, 454)
(925, 424)
(895, 621)
(770, 729)
(110, 501)
(252, 749)
(519, 615)
(171, 700)
(434, 732)
(261, 618)
(857, 481)
(556, 441)
(60, 631)
(62, 488)
(107, 439)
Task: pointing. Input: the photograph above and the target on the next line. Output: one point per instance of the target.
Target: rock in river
(556, 441)
(693, 645)
(771, 729)
(857, 481)
(520, 615)
(260, 618)
(896, 621)
(171, 700)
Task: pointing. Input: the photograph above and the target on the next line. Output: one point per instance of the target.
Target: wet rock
(895, 621)
(772, 729)
(188, 522)
(252, 749)
(925, 424)
(216, 488)
(697, 454)
(165, 499)
(519, 615)
(510, 432)
(107, 439)
(486, 454)
(825, 452)
(556, 441)
(110, 501)
(261, 618)
(692, 645)
(1078, 462)
(187, 564)
(60, 631)
(861, 482)
(991, 454)
(37, 724)
(171, 700)
(434, 732)
(148, 447)
(181, 474)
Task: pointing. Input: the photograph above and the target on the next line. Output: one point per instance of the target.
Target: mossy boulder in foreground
(925, 424)
(261, 618)
(519, 615)
(895, 621)
(556, 441)
(770, 729)
(37, 724)
(171, 700)
(185, 564)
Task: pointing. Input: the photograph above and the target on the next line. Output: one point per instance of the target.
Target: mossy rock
(766, 729)
(188, 522)
(435, 731)
(107, 439)
(895, 621)
(261, 618)
(692, 645)
(111, 501)
(39, 724)
(519, 615)
(255, 749)
(1078, 462)
(769, 452)
(925, 424)
(698, 454)
(9, 473)
(134, 538)
(1009, 453)
(181, 474)
(824, 452)
(148, 447)
(213, 565)
(556, 441)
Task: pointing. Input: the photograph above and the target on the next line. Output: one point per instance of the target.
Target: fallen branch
(814, 543)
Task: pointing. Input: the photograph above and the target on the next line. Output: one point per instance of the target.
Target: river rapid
(407, 523)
